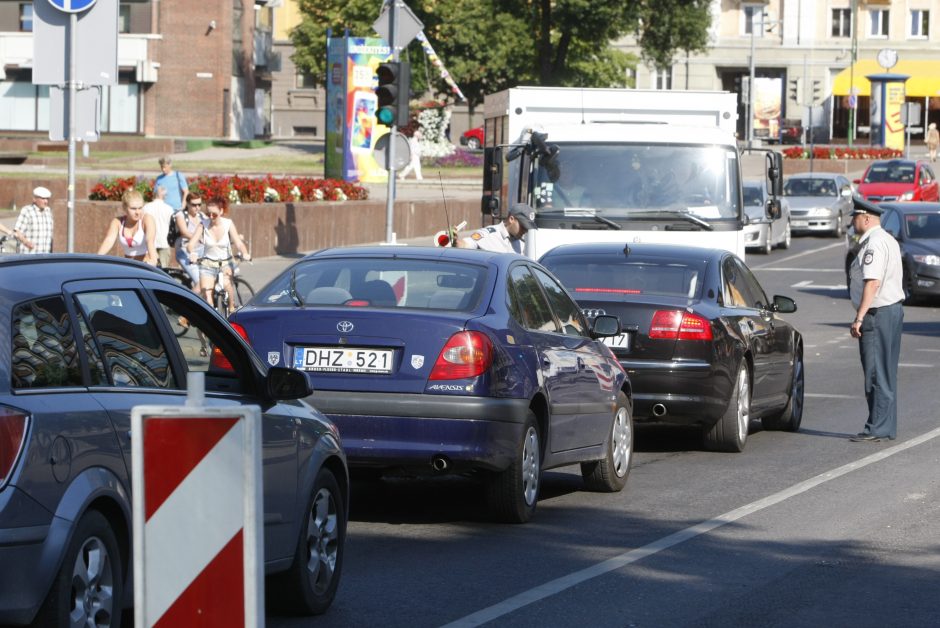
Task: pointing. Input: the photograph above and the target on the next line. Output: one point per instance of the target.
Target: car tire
(769, 243)
(309, 586)
(513, 494)
(787, 237)
(473, 143)
(88, 590)
(610, 474)
(729, 433)
(839, 231)
(792, 415)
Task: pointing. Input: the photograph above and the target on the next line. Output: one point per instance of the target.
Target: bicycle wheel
(220, 304)
(243, 292)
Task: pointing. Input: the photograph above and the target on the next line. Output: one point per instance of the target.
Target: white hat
(42, 192)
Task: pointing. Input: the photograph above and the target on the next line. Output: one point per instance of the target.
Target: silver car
(760, 232)
(820, 202)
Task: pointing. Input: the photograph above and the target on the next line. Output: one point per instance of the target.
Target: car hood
(755, 213)
(810, 202)
(922, 247)
(884, 188)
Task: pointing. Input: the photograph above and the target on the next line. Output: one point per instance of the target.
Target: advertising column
(887, 99)
(351, 129)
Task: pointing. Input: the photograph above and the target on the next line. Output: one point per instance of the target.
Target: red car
(473, 139)
(898, 180)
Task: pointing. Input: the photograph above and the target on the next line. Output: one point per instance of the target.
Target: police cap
(861, 206)
(524, 215)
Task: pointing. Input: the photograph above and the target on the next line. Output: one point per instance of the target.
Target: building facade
(803, 53)
(191, 69)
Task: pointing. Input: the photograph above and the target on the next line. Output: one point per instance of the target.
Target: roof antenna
(447, 237)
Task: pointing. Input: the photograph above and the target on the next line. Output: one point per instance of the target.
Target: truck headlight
(929, 260)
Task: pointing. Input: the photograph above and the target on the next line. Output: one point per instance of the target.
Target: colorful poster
(768, 94)
(894, 127)
(351, 129)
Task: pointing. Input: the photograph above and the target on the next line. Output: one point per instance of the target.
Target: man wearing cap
(33, 228)
(505, 237)
(876, 289)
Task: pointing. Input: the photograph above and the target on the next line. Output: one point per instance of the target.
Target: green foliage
(490, 45)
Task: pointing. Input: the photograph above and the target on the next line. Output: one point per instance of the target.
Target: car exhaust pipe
(659, 410)
(439, 463)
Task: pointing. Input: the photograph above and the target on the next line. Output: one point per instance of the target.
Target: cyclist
(186, 221)
(217, 238)
(135, 231)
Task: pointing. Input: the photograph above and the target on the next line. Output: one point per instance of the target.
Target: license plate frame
(622, 341)
(333, 359)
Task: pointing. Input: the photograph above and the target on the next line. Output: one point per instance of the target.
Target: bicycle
(3, 243)
(220, 296)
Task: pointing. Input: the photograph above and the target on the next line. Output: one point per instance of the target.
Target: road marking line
(798, 255)
(931, 350)
(800, 284)
(916, 366)
(804, 270)
(830, 396)
(553, 587)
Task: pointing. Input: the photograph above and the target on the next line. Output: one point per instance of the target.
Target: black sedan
(916, 226)
(702, 343)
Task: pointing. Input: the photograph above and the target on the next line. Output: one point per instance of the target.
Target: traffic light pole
(393, 131)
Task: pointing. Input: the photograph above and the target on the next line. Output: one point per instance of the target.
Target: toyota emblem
(344, 327)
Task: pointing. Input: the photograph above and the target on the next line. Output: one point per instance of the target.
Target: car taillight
(679, 325)
(218, 359)
(12, 436)
(241, 332)
(466, 354)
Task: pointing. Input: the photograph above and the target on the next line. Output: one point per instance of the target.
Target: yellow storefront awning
(924, 81)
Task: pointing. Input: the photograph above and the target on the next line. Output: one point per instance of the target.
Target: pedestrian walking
(506, 236)
(162, 215)
(135, 231)
(932, 140)
(414, 142)
(876, 290)
(175, 183)
(34, 228)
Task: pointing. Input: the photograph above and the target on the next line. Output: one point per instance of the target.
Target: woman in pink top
(135, 231)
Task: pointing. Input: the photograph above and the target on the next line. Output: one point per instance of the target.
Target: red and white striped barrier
(198, 550)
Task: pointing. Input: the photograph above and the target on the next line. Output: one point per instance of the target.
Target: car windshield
(620, 181)
(753, 196)
(890, 173)
(923, 226)
(378, 282)
(810, 187)
(606, 277)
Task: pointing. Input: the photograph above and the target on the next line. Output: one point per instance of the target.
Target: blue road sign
(72, 6)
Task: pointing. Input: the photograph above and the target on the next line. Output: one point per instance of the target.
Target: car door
(594, 378)
(556, 354)
(928, 184)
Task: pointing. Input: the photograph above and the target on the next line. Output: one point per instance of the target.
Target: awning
(924, 81)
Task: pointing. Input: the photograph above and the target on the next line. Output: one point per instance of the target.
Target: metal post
(852, 94)
(750, 91)
(393, 132)
(72, 86)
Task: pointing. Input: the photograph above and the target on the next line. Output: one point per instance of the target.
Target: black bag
(173, 234)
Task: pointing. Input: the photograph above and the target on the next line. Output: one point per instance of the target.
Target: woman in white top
(217, 240)
(187, 220)
(135, 231)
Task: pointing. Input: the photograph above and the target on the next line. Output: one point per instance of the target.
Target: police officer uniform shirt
(879, 257)
(495, 238)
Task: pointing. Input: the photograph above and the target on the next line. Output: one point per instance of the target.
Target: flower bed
(241, 189)
(841, 152)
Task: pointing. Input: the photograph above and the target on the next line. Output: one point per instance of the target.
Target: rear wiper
(293, 289)
(686, 216)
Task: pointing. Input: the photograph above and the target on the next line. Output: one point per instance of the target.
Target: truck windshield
(625, 181)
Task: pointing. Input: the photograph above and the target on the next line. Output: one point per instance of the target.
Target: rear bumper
(691, 392)
(390, 430)
(29, 555)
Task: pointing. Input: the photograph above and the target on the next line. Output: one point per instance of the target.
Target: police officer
(505, 237)
(876, 289)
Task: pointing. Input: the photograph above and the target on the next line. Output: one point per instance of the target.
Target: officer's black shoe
(865, 438)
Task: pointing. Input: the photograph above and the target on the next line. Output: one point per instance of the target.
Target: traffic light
(795, 91)
(393, 92)
(817, 91)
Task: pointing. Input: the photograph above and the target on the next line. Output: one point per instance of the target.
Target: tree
(489, 45)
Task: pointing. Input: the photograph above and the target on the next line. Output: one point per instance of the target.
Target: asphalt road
(802, 529)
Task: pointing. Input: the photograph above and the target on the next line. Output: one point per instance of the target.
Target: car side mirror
(492, 181)
(784, 305)
(284, 384)
(774, 210)
(856, 181)
(605, 326)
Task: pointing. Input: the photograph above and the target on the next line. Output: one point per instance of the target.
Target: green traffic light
(385, 115)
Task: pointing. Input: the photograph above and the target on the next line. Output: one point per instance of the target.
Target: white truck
(619, 165)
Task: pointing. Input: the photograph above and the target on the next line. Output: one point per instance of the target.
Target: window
(305, 80)
(565, 309)
(754, 20)
(124, 18)
(26, 18)
(740, 287)
(44, 352)
(879, 22)
(662, 78)
(920, 23)
(527, 303)
(841, 22)
(891, 222)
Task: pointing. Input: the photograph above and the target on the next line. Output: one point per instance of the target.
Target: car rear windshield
(595, 277)
(923, 226)
(425, 284)
(890, 173)
(810, 187)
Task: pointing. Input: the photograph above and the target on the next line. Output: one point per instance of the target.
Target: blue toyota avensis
(451, 360)
(82, 341)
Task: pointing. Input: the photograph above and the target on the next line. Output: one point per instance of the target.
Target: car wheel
(839, 231)
(610, 474)
(473, 143)
(769, 242)
(730, 432)
(792, 415)
(89, 587)
(513, 494)
(309, 587)
(787, 237)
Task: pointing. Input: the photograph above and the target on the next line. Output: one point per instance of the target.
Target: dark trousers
(880, 348)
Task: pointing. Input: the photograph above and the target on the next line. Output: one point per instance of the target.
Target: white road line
(930, 350)
(831, 396)
(559, 585)
(800, 284)
(911, 365)
(798, 255)
(804, 270)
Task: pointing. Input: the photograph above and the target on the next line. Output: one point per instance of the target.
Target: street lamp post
(853, 96)
(750, 91)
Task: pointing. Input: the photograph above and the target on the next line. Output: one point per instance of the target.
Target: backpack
(173, 234)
